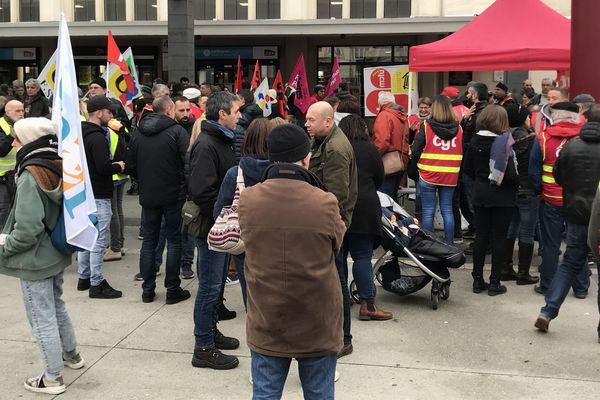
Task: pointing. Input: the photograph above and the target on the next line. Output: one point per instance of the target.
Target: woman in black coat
(36, 104)
(365, 230)
(493, 203)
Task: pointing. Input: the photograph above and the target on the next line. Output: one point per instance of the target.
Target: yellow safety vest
(114, 140)
(9, 161)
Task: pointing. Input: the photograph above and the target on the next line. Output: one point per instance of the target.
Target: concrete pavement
(472, 347)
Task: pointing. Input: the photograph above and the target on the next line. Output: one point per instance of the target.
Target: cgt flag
(299, 83)
(278, 86)
(335, 79)
(78, 202)
(46, 77)
(261, 97)
(255, 76)
(114, 56)
(238, 77)
(117, 86)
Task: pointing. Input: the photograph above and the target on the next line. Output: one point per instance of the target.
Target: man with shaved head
(334, 164)
(13, 111)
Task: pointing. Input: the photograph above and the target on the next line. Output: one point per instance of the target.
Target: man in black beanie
(97, 87)
(292, 231)
(501, 96)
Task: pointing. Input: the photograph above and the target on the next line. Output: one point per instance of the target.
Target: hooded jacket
(28, 252)
(470, 125)
(477, 166)
(577, 170)
(443, 130)
(292, 281)
(522, 148)
(100, 164)
(157, 159)
(390, 130)
(249, 113)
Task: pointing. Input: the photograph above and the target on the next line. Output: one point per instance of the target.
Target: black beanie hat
(567, 106)
(99, 81)
(516, 114)
(502, 86)
(288, 143)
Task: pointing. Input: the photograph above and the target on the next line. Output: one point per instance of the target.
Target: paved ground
(472, 347)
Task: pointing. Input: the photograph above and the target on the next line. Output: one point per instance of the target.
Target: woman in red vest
(437, 153)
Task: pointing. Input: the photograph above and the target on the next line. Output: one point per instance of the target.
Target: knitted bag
(225, 235)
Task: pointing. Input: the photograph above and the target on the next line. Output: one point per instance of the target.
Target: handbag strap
(239, 186)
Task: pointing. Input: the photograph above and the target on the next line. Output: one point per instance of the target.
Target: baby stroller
(411, 261)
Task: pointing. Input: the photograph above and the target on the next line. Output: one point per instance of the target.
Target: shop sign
(394, 78)
(232, 53)
(18, 53)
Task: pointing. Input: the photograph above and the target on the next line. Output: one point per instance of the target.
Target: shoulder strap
(240, 179)
(42, 162)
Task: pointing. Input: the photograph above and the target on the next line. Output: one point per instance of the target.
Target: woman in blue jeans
(254, 161)
(437, 154)
(365, 230)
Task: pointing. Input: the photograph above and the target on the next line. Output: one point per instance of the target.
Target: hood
(564, 116)
(484, 140)
(395, 110)
(87, 128)
(154, 123)
(50, 183)
(590, 132)
(254, 169)
(249, 113)
(444, 130)
(567, 127)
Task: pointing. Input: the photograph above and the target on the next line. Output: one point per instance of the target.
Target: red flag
(298, 81)
(238, 77)
(335, 79)
(278, 86)
(255, 77)
(115, 56)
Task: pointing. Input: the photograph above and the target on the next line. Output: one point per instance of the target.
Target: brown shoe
(375, 314)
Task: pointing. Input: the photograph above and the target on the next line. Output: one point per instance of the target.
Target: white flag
(78, 200)
(261, 97)
(46, 77)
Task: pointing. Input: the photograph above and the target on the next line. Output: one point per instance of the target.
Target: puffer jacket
(577, 170)
(522, 147)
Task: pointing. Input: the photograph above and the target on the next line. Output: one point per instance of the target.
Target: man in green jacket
(27, 253)
(333, 162)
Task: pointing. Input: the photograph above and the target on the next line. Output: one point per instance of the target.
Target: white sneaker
(231, 281)
(39, 384)
(76, 362)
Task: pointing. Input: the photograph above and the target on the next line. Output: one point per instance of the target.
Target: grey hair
(161, 104)
(33, 82)
(219, 101)
(159, 87)
(385, 98)
(17, 83)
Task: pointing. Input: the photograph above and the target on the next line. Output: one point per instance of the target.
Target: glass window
(4, 10)
(85, 10)
(401, 54)
(325, 55)
(114, 10)
(146, 10)
(364, 53)
(327, 9)
(396, 8)
(204, 10)
(362, 8)
(30, 10)
(236, 9)
(268, 9)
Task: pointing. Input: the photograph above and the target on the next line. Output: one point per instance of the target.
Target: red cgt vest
(551, 146)
(440, 161)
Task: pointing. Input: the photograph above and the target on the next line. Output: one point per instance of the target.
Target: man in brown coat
(292, 231)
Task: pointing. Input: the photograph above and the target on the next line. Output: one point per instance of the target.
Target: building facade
(362, 33)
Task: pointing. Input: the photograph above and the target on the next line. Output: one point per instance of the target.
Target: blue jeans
(524, 219)
(117, 222)
(552, 221)
(89, 263)
(188, 247)
(316, 376)
(467, 192)
(212, 270)
(153, 218)
(239, 268)
(574, 266)
(360, 247)
(428, 201)
(50, 322)
(342, 267)
(390, 185)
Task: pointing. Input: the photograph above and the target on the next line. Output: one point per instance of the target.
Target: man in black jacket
(157, 159)
(211, 156)
(101, 169)
(577, 170)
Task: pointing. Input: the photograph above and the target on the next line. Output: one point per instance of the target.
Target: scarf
(499, 154)
(291, 171)
(227, 132)
(45, 147)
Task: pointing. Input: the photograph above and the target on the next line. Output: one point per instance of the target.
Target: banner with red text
(393, 78)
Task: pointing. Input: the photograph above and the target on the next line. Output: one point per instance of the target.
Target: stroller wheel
(354, 292)
(435, 294)
(379, 278)
(445, 291)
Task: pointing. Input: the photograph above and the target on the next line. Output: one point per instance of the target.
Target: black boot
(508, 273)
(525, 256)
(223, 313)
(479, 285)
(496, 288)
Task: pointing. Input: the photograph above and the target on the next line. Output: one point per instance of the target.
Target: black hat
(288, 143)
(99, 81)
(502, 86)
(99, 103)
(567, 106)
(584, 98)
(516, 114)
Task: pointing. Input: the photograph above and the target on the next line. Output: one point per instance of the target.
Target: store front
(18, 63)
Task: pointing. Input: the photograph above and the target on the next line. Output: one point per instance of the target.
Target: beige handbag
(392, 162)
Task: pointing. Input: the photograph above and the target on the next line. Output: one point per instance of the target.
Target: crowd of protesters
(517, 167)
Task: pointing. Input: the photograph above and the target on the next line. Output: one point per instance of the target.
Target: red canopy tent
(509, 35)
